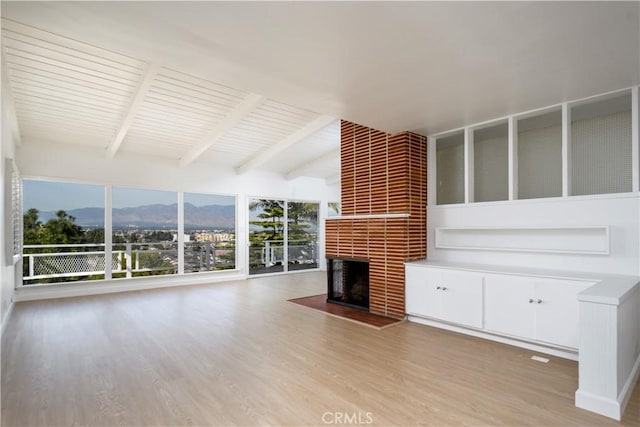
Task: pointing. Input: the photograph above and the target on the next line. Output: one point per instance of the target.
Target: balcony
(301, 255)
(71, 262)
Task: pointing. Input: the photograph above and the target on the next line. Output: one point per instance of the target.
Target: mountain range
(154, 216)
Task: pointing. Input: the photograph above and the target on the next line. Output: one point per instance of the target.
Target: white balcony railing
(300, 251)
(45, 262)
(127, 259)
(81, 260)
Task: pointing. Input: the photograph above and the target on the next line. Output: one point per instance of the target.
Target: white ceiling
(420, 66)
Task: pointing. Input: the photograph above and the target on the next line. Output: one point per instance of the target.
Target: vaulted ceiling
(261, 84)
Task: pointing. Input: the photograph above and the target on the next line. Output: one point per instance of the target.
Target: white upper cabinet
(577, 148)
(450, 169)
(601, 152)
(491, 163)
(539, 159)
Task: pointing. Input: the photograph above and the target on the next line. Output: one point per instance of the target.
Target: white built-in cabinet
(537, 309)
(449, 295)
(533, 308)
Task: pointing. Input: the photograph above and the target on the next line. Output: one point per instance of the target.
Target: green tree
(61, 230)
(271, 217)
(31, 227)
(301, 216)
(94, 236)
(270, 220)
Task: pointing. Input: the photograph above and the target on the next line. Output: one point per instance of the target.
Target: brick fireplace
(384, 217)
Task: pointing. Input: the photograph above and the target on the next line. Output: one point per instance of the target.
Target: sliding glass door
(302, 235)
(266, 236)
(283, 235)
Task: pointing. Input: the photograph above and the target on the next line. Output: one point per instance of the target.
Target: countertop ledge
(610, 289)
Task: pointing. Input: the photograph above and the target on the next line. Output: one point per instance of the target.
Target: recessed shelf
(583, 240)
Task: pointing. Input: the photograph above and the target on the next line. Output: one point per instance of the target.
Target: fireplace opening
(348, 282)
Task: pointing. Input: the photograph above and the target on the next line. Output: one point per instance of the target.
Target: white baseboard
(629, 385)
(598, 404)
(65, 290)
(558, 352)
(5, 320)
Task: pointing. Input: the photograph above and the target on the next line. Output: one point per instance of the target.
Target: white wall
(620, 212)
(7, 269)
(90, 165)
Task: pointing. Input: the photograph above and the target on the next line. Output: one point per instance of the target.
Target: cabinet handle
(444, 289)
(530, 301)
(438, 288)
(539, 301)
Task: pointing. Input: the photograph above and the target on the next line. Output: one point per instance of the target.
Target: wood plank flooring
(239, 354)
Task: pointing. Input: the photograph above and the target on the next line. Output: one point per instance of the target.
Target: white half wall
(619, 212)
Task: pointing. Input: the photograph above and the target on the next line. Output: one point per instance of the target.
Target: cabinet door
(558, 311)
(421, 296)
(508, 309)
(462, 298)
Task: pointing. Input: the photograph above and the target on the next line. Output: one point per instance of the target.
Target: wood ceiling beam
(148, 76)
(318, 161)
(263, 156)
(8, 104)
(249, 104)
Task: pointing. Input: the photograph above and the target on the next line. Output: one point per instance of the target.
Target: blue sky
(53, 196)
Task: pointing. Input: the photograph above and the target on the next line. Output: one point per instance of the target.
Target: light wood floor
(239, 354)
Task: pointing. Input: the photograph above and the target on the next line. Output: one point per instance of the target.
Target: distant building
(187, 237)
(214, 237)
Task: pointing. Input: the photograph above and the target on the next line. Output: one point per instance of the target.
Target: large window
(63, 226)
(145, 232)
(209, 232)
(333, 209)
(279, 231)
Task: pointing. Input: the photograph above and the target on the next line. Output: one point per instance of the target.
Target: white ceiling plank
(301, 170)
(144, 86)
(249, 104)
(46, 37)
(264, 155)
(8, 103)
